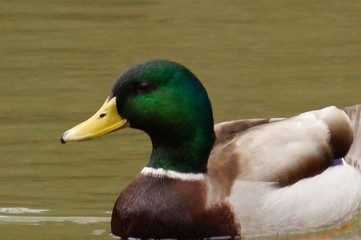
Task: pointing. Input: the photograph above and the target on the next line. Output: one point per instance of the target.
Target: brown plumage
(162, 207)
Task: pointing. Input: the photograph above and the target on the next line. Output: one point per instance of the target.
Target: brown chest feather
(153, 207)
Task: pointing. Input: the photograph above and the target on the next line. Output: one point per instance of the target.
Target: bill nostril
(102, 115)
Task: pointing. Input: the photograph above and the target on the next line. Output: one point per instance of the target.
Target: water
(60, 58)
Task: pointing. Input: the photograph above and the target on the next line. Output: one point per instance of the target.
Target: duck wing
(283, 151)
(226, 131)
(353, 157)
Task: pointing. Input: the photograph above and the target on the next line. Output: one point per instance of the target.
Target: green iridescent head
(169, 103)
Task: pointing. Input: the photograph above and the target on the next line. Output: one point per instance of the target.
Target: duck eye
(144, 87)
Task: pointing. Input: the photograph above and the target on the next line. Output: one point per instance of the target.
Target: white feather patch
(160, 172)
(312, 204)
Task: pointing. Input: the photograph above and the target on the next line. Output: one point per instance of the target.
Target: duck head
(169, 103)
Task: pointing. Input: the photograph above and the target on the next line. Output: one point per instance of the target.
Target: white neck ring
(160, 172)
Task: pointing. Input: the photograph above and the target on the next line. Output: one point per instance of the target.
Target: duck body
(285, 174)
(253, 177)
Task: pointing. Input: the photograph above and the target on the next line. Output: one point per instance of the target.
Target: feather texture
(353, 157)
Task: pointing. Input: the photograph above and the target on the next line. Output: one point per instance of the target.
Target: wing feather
(281, 151)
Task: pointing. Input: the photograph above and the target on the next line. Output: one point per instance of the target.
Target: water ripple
(42, 219)
(18, 210)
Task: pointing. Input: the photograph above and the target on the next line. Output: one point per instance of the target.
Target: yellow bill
(104, 121)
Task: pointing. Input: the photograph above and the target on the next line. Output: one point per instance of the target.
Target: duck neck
(184, 153)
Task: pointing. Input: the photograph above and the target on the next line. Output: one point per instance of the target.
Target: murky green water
(60, 58)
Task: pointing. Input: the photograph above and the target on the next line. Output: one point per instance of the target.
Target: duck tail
(353, 156)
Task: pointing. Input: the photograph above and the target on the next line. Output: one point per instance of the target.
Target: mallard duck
(251, 177)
